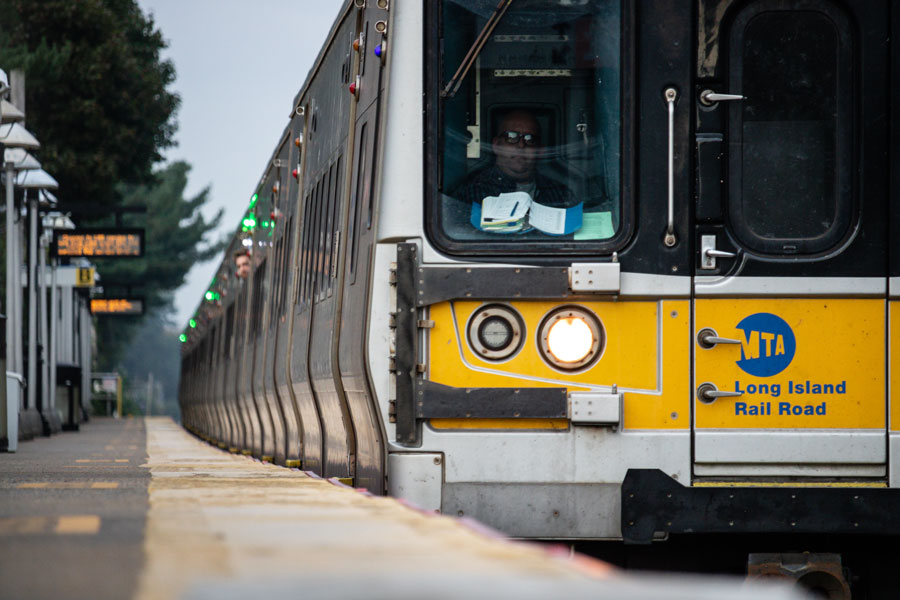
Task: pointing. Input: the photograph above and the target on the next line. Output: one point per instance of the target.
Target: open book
(517, 211)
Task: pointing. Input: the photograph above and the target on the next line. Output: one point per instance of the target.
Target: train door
(358, 245)
(790, 104)
(894, 305)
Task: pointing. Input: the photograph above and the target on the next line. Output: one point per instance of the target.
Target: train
(614, 273)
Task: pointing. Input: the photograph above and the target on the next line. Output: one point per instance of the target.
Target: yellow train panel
(635, 335)
(800, 363)
(894, 366)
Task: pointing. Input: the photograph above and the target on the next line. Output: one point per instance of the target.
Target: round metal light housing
(570, 338)
(496, 332)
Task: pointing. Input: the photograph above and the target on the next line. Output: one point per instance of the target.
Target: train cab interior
(558, 64)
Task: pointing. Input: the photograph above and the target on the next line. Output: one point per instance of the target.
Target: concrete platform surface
(89, 520)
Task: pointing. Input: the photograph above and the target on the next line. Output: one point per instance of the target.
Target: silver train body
(708, 200)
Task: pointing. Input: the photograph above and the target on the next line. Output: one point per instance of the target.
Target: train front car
(646, 291)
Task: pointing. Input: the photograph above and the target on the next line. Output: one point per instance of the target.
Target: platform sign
(117, 306)
(98, 243)
(84, 277)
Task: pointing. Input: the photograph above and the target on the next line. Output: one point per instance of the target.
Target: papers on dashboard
(517, 211)
(505, 212)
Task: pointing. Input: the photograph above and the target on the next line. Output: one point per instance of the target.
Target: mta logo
(767, 346)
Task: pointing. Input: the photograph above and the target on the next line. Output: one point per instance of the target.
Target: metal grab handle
(709, 97)
(671, 94)
(707, 393)
(708, 338)
(718, 253)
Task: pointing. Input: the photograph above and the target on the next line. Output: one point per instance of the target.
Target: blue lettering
(784, 408)
(740, 408)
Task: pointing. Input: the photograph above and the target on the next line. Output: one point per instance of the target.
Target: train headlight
(496, 332)
(570, 338)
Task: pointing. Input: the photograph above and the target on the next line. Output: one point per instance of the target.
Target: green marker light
(192, 323)
(183, 338)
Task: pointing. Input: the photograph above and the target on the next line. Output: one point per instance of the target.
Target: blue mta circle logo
(767, 346)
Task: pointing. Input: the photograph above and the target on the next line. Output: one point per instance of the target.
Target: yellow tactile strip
(68, 485)
(65, 525)
(217, 516)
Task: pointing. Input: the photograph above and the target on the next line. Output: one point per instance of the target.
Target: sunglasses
(513, 137)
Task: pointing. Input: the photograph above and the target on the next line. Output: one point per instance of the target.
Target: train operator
(516, 148)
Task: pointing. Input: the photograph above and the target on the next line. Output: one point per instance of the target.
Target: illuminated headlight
(495, 332)
(570, 338)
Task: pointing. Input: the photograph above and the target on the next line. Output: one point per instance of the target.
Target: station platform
(140, 508)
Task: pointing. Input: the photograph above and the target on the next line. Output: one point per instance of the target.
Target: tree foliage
(96, 92)
(175, 238)
(158, 354)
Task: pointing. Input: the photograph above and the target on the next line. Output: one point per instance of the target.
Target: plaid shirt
(492, 181)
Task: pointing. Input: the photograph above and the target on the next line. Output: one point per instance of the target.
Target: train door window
(309, 219)
(320, 235)
(791, 153)
(229, 330)
(528, 129)
(329, 231)
(212, 347)
(278, 280)
(335, 224)
(314, 239)
(288, 261)
(259, 278)
(356, 201)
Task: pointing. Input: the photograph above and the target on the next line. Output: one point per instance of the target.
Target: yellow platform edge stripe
(790, 484)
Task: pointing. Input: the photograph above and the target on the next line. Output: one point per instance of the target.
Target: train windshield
(529, 127)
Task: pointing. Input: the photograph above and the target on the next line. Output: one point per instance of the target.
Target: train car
(601, 271)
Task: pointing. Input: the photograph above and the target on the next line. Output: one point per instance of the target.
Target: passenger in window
(242, 264)
(516, 147)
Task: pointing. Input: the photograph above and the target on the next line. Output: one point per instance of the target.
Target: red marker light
(353, 89)
(295, 173)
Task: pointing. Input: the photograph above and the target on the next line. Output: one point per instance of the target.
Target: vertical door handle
(671, 94)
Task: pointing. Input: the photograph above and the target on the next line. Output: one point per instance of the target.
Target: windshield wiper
(466, 64)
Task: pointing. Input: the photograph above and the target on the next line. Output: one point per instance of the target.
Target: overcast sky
(239, 65)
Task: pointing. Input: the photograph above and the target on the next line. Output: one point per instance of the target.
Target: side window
(791, 152)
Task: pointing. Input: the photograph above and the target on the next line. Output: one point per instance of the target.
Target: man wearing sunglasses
(516, 147)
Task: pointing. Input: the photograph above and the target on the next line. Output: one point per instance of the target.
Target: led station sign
(117, 306)
(98, 243)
